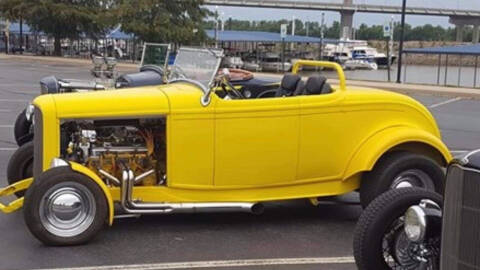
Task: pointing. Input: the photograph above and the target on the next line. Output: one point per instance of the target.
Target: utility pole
(322, 34)
(402, 36)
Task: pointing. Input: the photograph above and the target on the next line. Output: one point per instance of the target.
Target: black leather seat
(317, 85)
(288, 85)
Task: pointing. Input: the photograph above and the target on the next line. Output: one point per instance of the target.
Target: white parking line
(445, 102)
(8, 148)
(2, 110)
(6, 126)
(221, 264)
(15, 100)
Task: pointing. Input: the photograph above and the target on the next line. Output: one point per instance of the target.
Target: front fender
(86, 171)
(378, 144)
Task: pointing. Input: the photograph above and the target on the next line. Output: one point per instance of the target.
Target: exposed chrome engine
(109, 146)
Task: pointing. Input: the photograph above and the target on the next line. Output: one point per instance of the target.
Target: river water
(418, 74)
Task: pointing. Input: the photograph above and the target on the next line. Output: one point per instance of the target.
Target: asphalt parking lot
(289, 235)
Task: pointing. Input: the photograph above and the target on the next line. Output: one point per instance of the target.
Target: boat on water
(343, 55)
(365, 51)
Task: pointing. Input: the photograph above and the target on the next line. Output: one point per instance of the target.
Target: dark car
(411, 228)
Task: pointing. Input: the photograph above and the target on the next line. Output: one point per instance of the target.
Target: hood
(140, 101)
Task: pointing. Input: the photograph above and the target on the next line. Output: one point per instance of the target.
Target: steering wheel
(232, 92)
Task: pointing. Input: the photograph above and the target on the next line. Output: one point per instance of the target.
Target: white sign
(283, 30)
(387, 30)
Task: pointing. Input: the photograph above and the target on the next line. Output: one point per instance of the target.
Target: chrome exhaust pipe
(132, 207)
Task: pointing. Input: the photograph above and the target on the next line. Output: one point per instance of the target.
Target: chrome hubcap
(67, 209)
(413, 178)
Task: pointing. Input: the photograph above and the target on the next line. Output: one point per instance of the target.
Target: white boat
(342, 54)
(353, 64)
(380, 58)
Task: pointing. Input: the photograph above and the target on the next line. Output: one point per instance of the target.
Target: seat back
(317, 85)
(288, 85)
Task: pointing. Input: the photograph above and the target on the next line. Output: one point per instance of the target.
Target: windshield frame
(216, 52)
(167, 55)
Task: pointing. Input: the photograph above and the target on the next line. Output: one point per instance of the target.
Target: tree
(61, 18)
(163, 20)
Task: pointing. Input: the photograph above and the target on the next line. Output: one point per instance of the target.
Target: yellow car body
(250, 150)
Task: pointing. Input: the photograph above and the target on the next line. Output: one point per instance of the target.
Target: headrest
(289, 82)
(315, 85)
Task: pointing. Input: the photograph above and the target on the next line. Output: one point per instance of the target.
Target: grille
(38, 143)
(461, 220)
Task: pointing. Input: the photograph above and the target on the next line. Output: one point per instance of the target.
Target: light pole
(400, 50)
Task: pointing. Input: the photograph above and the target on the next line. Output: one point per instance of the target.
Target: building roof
(472, 49)
(257, 36)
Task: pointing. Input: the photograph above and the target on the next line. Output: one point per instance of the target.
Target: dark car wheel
(64, 207)
(380, 242)
(20, 165)
(22, 129)
(400, 170)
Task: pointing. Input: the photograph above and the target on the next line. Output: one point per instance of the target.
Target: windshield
(196, 64)
(155, 54)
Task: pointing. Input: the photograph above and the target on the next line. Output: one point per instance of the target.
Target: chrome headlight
(415, 223)
(29, 112)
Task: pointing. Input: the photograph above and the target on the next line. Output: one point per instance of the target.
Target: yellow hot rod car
(199, 144)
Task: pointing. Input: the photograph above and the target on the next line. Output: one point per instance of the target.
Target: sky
(359, 18)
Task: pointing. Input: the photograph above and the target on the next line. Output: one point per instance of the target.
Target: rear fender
(381, 142)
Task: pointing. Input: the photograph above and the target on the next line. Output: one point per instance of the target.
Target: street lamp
(400, 50)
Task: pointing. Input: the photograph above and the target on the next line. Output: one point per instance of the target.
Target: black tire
(21, 130)
(20, 165)
(376, 220)
(383, 175)
(52, 181)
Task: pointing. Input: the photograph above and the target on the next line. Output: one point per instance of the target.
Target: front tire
(20, 165)
(399, 170)
(379, 238)
(64, 208)
(21, 130)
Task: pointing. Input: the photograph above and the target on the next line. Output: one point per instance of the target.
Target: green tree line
(426, 32)
(176, 21)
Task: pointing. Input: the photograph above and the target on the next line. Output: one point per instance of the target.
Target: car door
(256, 141)
(324, 138)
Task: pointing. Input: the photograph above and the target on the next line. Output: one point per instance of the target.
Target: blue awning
(15, 29)
(257, 36)
(472, 49)
(26, 30)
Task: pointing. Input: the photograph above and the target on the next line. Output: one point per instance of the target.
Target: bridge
(460, 18)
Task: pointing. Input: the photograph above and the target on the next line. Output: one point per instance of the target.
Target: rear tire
(401, 169)
(64, 208)
(378, 218)
(21, 128)
(20, 165)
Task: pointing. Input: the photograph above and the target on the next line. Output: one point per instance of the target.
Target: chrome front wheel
(67, 209)
(63, 207)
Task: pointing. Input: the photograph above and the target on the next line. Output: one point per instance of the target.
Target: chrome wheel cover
(67, 209)
(413, 178)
